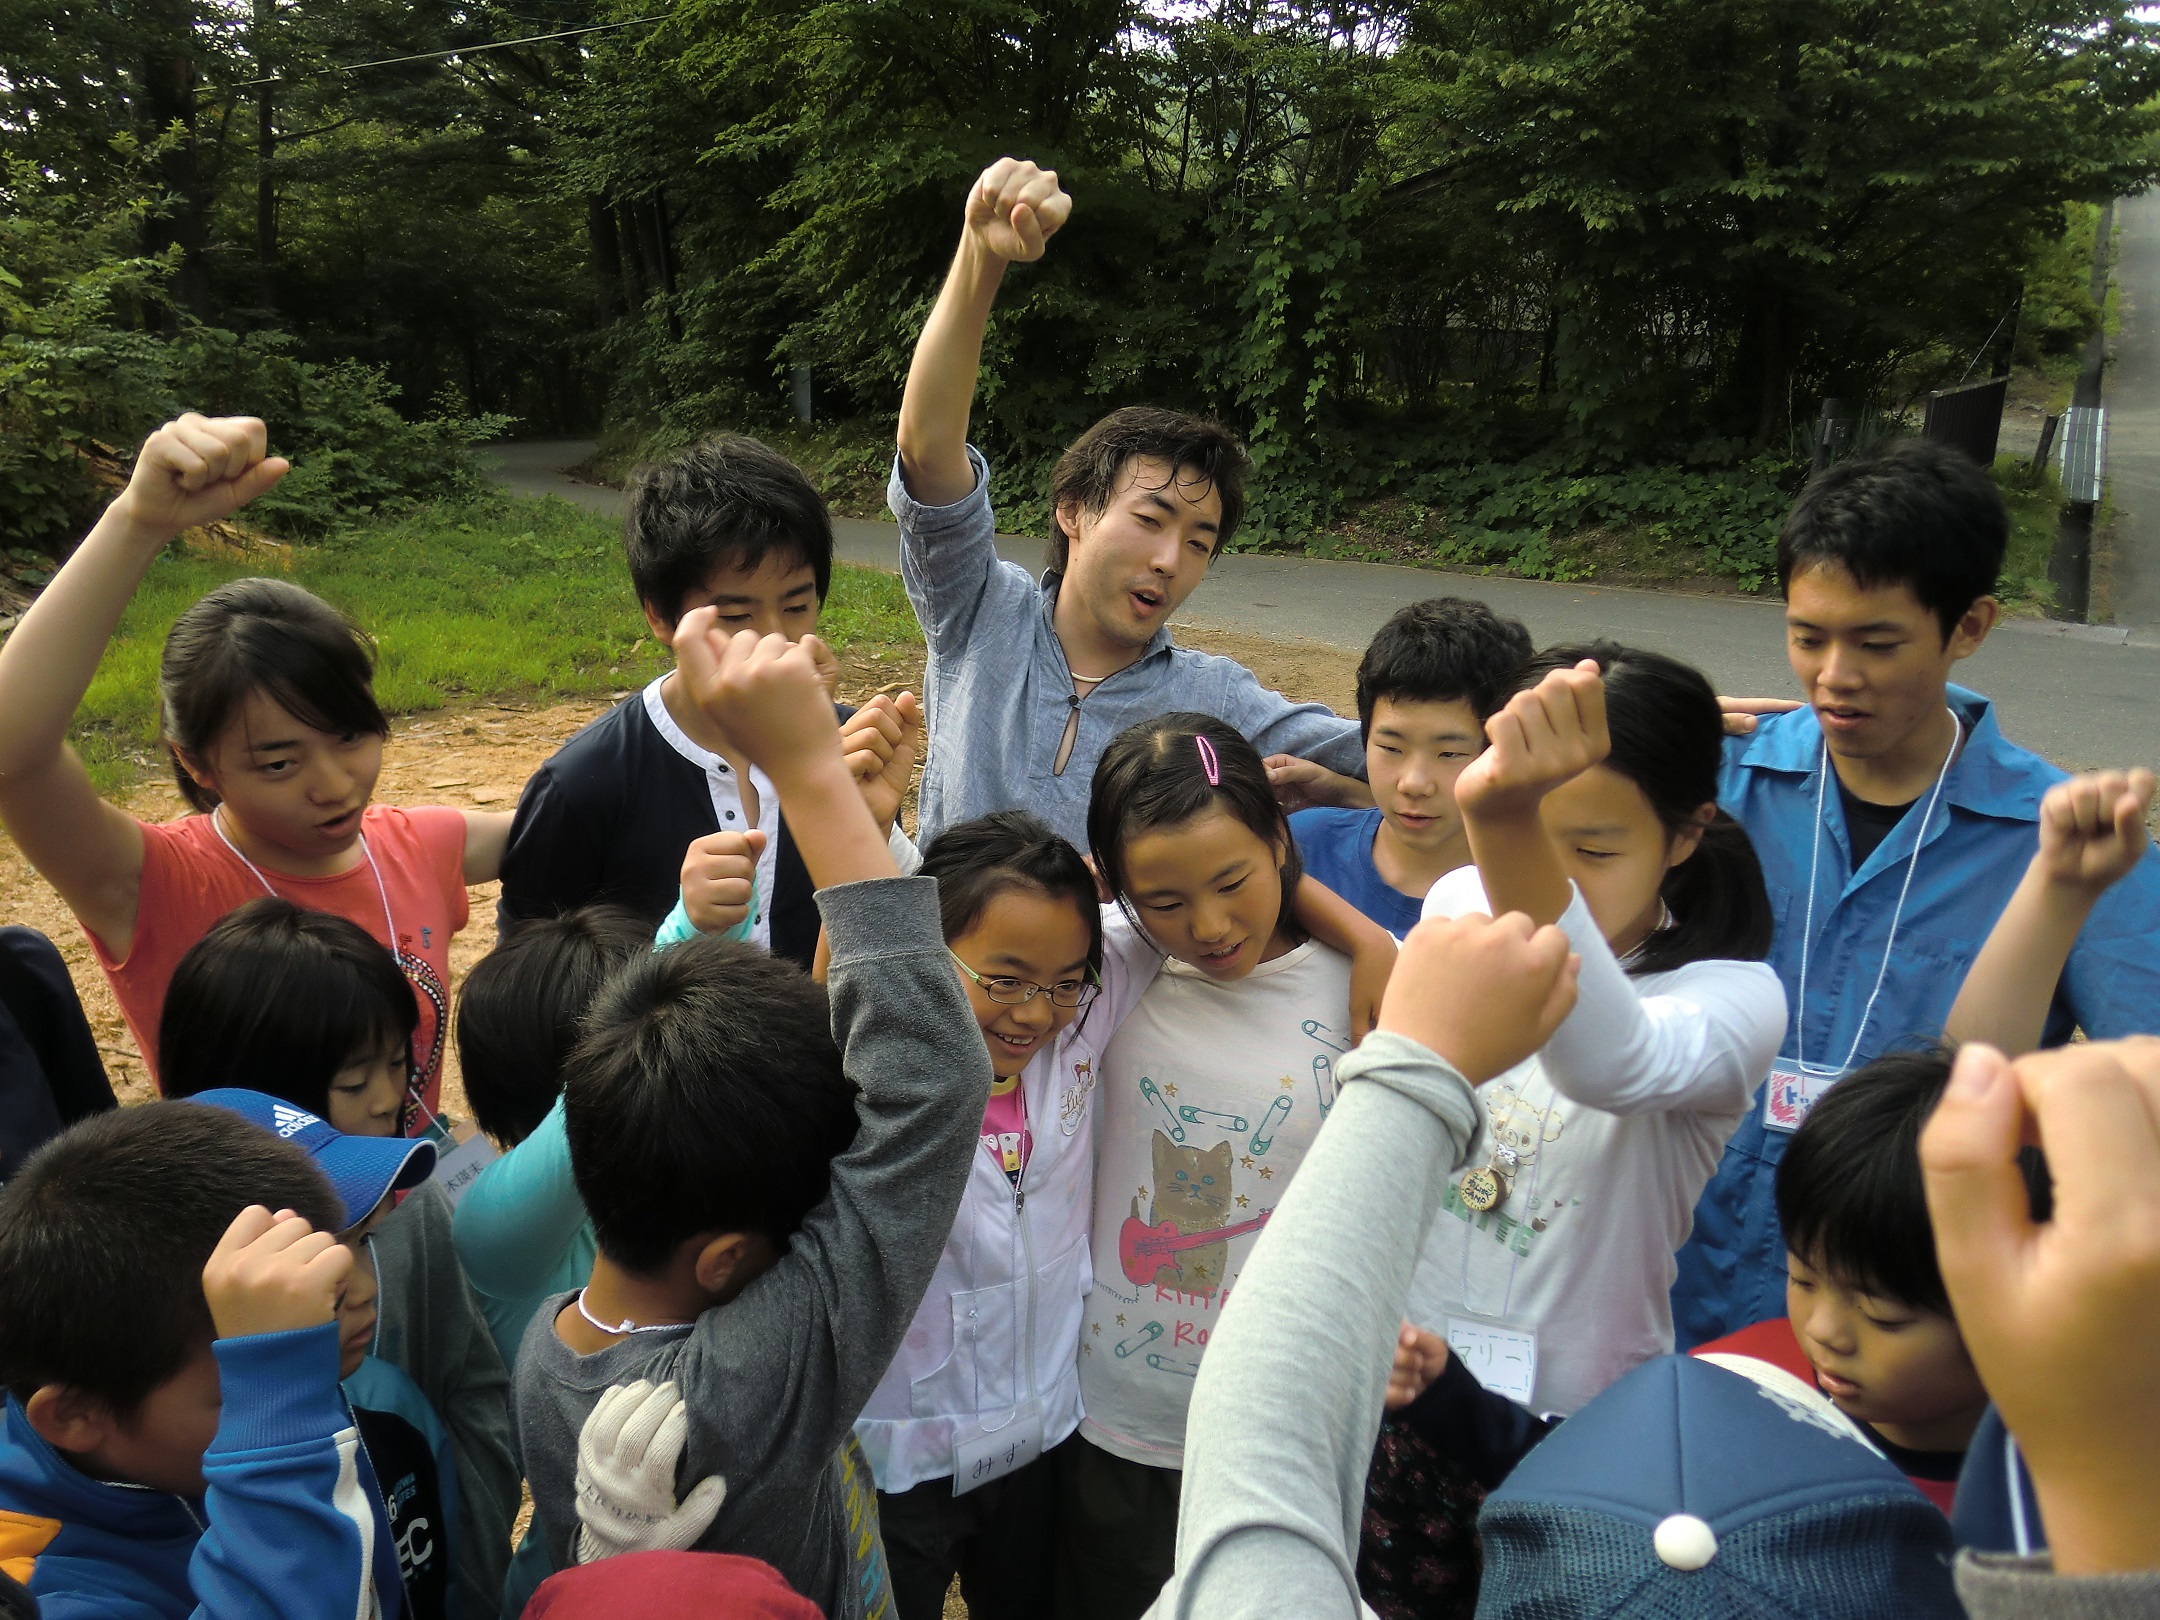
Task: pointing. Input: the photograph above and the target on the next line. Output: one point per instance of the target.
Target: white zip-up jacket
(1001, 1322)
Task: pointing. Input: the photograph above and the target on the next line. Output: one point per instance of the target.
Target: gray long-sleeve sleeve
(1289, 1395)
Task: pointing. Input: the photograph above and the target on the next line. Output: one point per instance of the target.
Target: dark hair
(1154, 775)
(1849, 1192)
(277, 998)
(1445, 649)
(976, 861)
(104, 1234)
(1668, 739)
(521, 1006)
(1907, 513)
(706, 1096)
(726, 499)
(1087, 474)
(268, 636)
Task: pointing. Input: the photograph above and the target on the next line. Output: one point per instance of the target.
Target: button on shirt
(999, 692)
(1974, 849)
(725, 786)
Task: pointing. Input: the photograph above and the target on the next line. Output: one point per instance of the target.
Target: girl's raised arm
(193, 470)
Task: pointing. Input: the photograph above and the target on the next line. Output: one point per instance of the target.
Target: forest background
(1472, 276)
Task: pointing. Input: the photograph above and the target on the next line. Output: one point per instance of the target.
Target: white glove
(627, 1453)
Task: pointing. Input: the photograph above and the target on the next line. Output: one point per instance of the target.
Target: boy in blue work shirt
(1425, 687)
(1893, 819)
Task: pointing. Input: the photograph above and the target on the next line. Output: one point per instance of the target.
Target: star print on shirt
(1170, 1091)
(1245, 1160)
(1267, 1173)
(1120, 1318)
(1287, 1083)
(1242, 1201)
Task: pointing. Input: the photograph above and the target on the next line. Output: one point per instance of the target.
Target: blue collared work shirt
(999, 692)
(1974, 850)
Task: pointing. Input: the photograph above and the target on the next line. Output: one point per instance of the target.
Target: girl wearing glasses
(987, 1382)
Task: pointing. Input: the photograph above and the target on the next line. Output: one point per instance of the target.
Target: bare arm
(487, 834)
(190, 471)
(1340, 926)
(1012, 210)
(2092, 832)
(1544, 737)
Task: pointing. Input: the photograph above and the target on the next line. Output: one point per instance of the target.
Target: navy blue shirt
(1336, 847)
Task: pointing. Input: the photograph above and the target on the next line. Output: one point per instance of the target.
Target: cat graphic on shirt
(1192, 1188)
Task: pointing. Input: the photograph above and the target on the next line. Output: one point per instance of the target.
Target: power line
(434, 56)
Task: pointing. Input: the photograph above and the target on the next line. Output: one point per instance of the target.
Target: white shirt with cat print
(1616, 1127)
(1211, 1094)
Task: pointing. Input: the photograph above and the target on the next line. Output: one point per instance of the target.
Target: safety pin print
(1147, 1335)
(1153, 1094)
(1326, 1036)
(1323, 1073)
(1232, 1123)
(1264, 1137)
(1184, 1369)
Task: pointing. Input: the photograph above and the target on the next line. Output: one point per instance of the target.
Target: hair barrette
(1208, 761)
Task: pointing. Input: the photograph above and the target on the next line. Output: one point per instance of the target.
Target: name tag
(983, 1452)
(1503, 1358)
(1792, 1092)
(457, 1169)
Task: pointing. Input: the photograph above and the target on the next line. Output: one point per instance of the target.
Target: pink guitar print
(1144, 1250)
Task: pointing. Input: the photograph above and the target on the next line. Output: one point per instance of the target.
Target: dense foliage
(1530, 262)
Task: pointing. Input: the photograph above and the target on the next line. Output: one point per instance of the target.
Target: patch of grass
(504, 598)
(2034, 504)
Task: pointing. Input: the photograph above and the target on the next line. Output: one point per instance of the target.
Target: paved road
(2082, 695)
(2133, 407)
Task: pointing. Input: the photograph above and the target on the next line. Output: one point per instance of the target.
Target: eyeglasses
(1066, 993)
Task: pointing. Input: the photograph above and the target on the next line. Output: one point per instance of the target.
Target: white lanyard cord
(217, 826)
(1807, 930)
(382, 892)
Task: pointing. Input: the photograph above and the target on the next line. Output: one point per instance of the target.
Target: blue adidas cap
(1691, 1489)
(362, 1169)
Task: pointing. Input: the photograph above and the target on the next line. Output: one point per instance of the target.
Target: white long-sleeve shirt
(1620, 1122)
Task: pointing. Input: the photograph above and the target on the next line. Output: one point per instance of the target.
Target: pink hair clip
(1208, 761)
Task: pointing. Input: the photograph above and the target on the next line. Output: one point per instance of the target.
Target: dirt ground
(479, 756)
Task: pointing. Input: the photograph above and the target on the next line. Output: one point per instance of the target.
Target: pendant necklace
(1487, 1186)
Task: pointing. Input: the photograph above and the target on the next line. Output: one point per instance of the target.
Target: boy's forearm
(1516, 862)
(1334, 921)
(834, 830)
(2005, 998)
(47, 663)
(290, 1533)
(941, 379)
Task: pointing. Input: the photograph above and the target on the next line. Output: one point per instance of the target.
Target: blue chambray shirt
(999, 689)
(1976, 847)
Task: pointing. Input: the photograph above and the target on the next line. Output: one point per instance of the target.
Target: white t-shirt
(1617, 1124)
(1211, 1094)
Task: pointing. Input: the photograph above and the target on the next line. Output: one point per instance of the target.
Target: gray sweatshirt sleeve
(1289, 1395)
(783, 1371)
(2004, 1587)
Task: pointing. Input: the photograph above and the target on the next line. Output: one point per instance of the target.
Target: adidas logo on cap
(289, 1121)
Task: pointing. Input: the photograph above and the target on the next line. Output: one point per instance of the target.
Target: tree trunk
(168, 81)
(633, 256)
(607, 258)
(266, 238)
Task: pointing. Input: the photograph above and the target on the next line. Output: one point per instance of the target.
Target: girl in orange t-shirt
(276, 740)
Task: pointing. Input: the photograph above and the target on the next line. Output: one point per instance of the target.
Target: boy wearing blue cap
(175, 1439)
(407, 1440)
